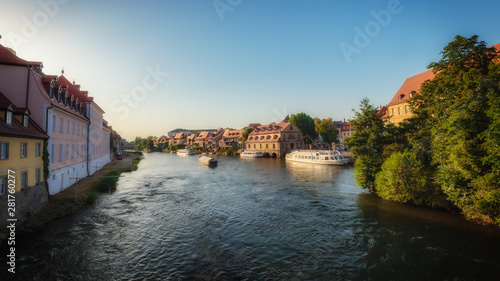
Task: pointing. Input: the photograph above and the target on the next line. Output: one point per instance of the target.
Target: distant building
(345, 131)
(275, 140)
(232, 138)
(188, 132)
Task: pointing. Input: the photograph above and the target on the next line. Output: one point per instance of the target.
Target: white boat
(184, 152)
(324, 157)
(251, 154)
(209, 161)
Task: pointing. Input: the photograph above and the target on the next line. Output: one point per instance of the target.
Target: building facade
(275, 140)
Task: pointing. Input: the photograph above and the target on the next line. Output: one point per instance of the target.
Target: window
(267, 146)
(73, 127)
(67, 127)
(78, 129)
(3, 185)
(61, 126)
(37, 175)
(72, 151)
(393, 111)
(77, 151)
(407, 109)
(67, 151)
(38, 147)
(54, 123)
(24, 178)
(24, 149)
(274, 145)
(53, 153)
(60, 152)
(8, 119)
(399, 110)
(4, 151)
(25, 121)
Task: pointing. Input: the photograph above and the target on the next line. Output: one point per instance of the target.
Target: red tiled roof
(17, 129)
(7, 56)
(414, 83)
(269, 129)
(411, 84)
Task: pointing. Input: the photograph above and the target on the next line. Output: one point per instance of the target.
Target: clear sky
(154, 66)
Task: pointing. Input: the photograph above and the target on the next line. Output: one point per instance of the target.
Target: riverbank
(80, 194)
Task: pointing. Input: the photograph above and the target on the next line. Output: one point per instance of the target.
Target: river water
(253, 219)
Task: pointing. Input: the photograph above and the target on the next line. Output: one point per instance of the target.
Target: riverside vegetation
(64, 203)
(448, 154)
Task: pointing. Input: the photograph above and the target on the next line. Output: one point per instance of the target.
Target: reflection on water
(254, 219)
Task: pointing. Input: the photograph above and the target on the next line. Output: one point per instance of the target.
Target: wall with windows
(24, 156)
(398, 112)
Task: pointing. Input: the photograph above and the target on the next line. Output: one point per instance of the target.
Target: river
(253, 219)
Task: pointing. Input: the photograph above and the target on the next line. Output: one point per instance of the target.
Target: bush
(108, 183)
(404, 178)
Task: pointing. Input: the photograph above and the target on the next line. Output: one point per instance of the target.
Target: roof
(232, 133)
(17, 129)
(203, 135)
(8, 56)
(66, 87)
(411, 84)
(414, 83)
(269, 129)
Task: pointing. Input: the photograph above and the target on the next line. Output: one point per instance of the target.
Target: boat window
(326, 158)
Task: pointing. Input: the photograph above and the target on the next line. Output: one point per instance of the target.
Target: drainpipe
(88, 148)
(47, 131)
(28, 86)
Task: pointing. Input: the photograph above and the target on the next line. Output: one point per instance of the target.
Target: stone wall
(28, 201)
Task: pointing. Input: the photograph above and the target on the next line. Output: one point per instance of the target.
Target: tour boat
(251, 154)
(209, 161)
(184, 152)
(325, 157)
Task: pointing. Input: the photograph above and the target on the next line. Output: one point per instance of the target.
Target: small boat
(184, 152)
(251, 154)
(209, 161)
(324, 157)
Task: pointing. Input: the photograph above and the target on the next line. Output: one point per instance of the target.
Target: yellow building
(399, 109)
(21, 148)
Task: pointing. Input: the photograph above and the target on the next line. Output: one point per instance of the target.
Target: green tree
(458, 106)
(305, 124)
(326, 129)
(367, 144)
(246, 132)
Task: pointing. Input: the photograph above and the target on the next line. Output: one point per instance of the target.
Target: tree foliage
(305, 124)
(367, 144)
(245, 133)
(448, 153)
(326, 129)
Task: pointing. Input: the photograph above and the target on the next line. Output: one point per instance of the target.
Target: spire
(62, 71)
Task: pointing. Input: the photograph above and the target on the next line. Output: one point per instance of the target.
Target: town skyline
(227, 64)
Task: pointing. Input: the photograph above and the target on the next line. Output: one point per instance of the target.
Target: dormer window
(25, 121)
(8, 118)
(59, 92)
(401, 97)
(411, 94)
(51, 92)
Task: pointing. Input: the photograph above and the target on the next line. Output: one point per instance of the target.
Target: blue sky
(235, 62)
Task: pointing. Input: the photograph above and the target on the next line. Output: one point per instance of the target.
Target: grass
(60, 206)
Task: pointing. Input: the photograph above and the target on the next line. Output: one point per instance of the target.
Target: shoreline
(86, 191)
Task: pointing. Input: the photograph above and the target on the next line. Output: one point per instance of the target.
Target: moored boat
(209, 161)
(324, 157)
(184, 152)
(251, 154)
